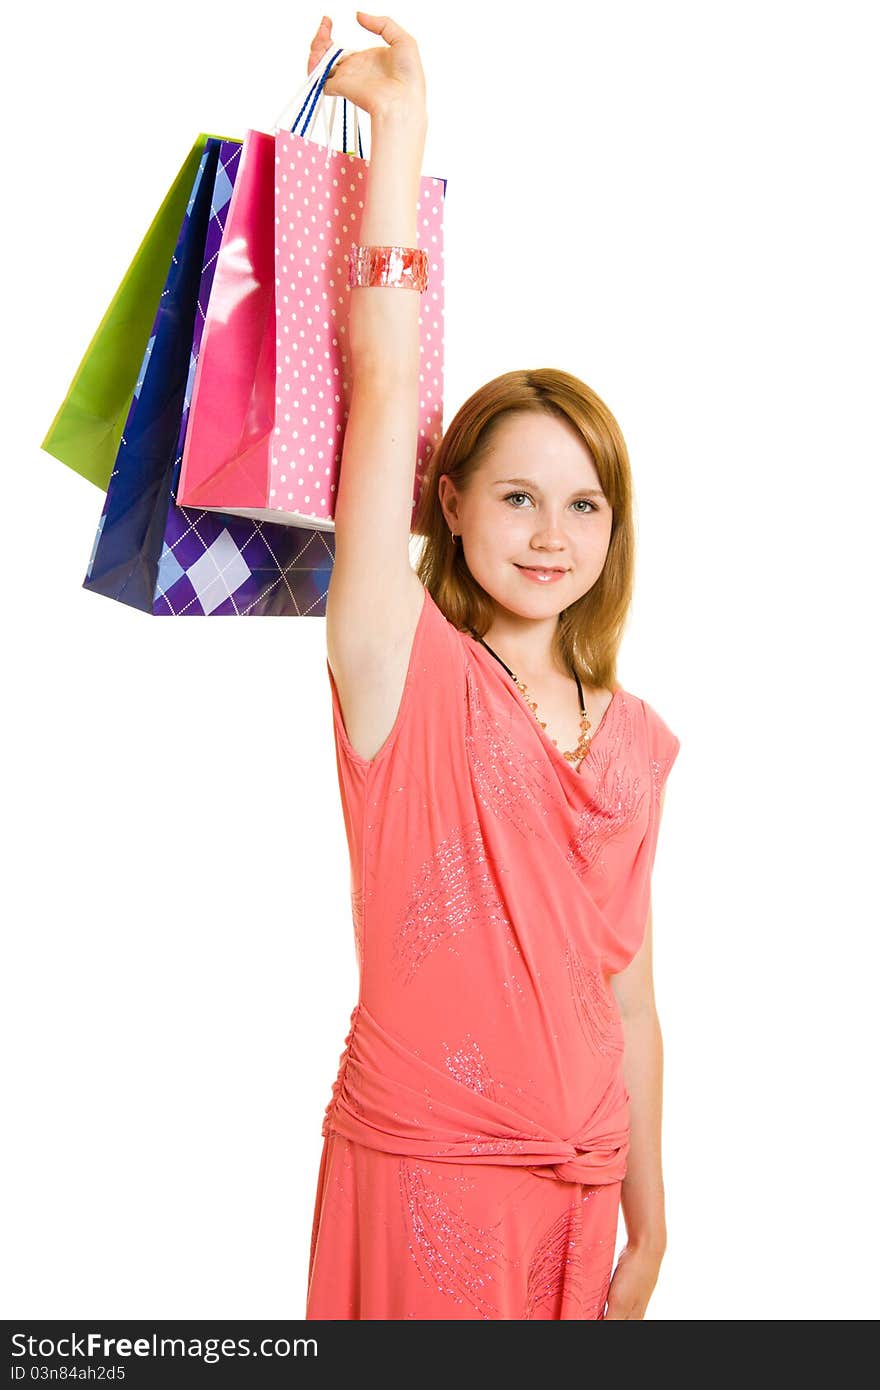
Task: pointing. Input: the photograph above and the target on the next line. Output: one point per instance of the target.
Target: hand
(632, 1283)
(377, 80)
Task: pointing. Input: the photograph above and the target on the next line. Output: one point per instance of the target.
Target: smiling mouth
(543, 569)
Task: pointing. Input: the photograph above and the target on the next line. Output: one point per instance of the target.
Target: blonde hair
(589, 631)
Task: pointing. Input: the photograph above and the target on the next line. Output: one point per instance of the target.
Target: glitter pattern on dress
(514, 991)
(451, 1254)
(594, 1003)
(555, 1267)
(659, 771)
(454, 894)
(509, 785)
(357, 917)
(618, 737)
(469, 1067)
(604, 819)
(499, 1146)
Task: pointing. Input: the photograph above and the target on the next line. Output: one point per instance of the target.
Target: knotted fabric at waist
(387, 1097)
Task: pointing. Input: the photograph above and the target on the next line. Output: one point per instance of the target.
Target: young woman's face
(535, 501)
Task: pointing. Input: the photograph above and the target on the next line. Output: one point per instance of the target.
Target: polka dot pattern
(319, 203)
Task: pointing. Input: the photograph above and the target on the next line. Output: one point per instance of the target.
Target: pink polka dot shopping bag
(273, 383)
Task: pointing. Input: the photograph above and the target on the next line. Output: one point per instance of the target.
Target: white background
(676, 203)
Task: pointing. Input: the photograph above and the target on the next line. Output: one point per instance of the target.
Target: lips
(542, 569)
(541, 575)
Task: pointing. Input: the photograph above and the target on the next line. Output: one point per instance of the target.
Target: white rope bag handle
(303, 108)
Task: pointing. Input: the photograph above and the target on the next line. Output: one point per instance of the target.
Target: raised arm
(374, 598)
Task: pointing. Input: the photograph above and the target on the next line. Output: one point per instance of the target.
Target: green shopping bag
(86, 431)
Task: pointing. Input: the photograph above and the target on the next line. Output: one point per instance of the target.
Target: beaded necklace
(584, 740)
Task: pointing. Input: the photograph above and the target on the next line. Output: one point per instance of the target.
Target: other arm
(642, 1194)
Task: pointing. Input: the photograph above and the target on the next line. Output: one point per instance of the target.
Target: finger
(381, 24)
(320, 43)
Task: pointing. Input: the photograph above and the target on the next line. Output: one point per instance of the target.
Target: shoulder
(662, 742)
(438, 659)
(654, 721)
(658, 737)
(432, 604)
(417, 707)
(442, 629)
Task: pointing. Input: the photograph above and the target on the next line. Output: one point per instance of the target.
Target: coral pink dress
(478, 1129)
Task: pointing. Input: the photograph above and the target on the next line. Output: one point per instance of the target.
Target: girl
(499, 1094)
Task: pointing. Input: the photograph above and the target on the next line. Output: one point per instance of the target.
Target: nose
(550, 536)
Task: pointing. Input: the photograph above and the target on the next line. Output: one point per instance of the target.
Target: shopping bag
(88, 425)
(147, 551)
(233, 408)
(273, 384)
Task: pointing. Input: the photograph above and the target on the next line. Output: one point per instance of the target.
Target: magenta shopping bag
(273, 383)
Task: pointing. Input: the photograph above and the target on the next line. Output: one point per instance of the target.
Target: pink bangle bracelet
(402, 267)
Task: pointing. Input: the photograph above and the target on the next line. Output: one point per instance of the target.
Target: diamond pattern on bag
(144, 365)
(219, 572)
(170, 570)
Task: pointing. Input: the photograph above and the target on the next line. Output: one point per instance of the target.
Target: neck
(527, 646)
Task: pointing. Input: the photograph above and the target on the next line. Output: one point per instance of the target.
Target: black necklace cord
(513, 677)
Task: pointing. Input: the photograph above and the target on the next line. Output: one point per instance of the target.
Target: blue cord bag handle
(297, 116)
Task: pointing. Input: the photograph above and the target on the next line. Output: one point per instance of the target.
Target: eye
(592, 506)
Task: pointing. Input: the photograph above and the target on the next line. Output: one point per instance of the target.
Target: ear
(448, 498)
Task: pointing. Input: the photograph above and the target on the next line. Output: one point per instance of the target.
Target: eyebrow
(527, 482)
